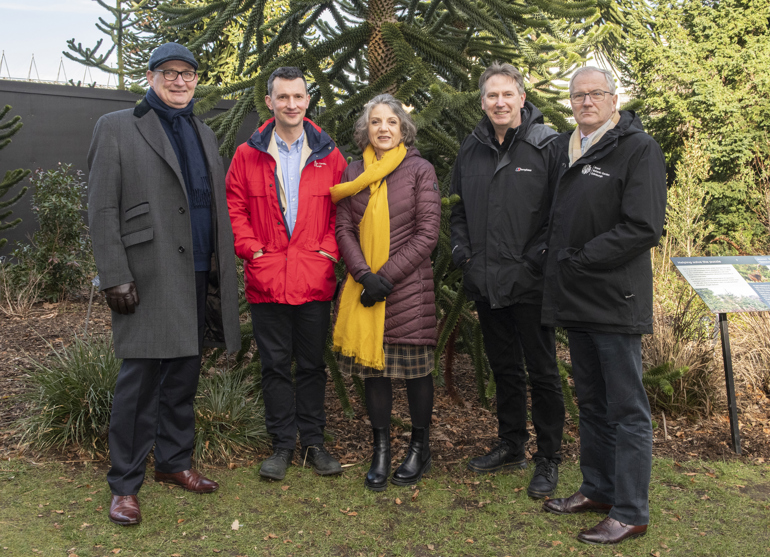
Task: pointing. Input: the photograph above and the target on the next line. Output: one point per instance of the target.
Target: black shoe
(322, 462)
(417, 461)
(274, 467)
(377, 477)
(545, 479)
(502, 457)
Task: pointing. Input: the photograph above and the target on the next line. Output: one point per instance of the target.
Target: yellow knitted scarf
(359, 331)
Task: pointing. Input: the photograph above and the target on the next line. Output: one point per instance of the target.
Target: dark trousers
(283, 330)
(513, 335)
(615, 422)
(153, 405)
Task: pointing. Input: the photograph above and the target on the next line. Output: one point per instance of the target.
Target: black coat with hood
(499, 227)
(608, 213)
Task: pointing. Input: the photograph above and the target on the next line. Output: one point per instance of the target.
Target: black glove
(123, 298)
(375, 289)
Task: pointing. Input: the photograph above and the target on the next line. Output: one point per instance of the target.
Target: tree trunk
(380, 54)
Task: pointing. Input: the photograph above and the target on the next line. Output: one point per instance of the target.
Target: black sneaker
(322, 462)
(502, 457)
(274, 467)
(545, 478)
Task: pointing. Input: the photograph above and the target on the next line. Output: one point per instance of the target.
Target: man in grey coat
(161, 234)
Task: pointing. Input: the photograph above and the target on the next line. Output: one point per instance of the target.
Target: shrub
(71, 397)
(60, 250)
(71, 402)
(750, 342)
(679, 360)
(229, 417)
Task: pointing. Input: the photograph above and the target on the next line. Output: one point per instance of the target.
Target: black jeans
(511, 335)
(615, 422)
(153, 405)
(283, 330)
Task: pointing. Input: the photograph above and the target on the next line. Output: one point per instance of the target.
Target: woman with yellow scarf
(388, 213)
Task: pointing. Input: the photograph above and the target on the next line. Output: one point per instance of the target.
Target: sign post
(732, 408)
(729, 285)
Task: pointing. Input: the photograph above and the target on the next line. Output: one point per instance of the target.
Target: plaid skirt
(402, 361)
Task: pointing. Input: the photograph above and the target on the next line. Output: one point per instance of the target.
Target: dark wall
(58, 123)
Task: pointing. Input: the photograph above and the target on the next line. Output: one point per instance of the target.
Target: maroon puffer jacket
(415, 212)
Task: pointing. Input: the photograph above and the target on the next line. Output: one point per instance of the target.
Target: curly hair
(361, 128)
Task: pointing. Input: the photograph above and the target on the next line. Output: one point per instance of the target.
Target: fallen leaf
(287, 540)
(431, 546)
(217, 550)
(555, 543)
(655, 553)
(398, 501)
(88, 499)
(353, 513)
(59, 512)
(99, 508)
(469, 540)
(235, 525)
(284, 487)
(705, 498)
(415, 494)
(176, 555)
(328, 532)
(180, 521)
(690, 474)
(116, 550)
(710, 475)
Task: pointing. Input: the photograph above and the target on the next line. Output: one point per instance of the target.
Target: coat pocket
(144, 235)
(137, 210)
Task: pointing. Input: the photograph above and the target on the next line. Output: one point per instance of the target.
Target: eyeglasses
(596, 96)
(171, 75)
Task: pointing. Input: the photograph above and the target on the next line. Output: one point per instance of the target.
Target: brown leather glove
(123, 298)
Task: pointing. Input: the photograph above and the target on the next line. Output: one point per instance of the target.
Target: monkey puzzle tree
(12, 177)
(428, 54)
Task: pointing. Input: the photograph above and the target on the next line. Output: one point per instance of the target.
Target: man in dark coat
(161, 234)
(505, 175)
(608, 213)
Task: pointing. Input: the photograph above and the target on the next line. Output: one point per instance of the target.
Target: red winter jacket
(290, 271)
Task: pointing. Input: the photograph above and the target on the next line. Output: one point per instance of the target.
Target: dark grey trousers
(615, 422)
(153, 405)
(512, 335)
(282, 331)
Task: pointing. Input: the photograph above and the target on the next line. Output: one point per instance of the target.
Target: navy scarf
(181, 133)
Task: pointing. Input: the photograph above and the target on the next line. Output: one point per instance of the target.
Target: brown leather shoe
(191, 480)
(610, 531)
(124, 510)
(575, 503)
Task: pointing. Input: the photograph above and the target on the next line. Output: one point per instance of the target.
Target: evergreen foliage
(428, 54)
(8, 129)
(60, 252)
(125, 39)
(701, 67)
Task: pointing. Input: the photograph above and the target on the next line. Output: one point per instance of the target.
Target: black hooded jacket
(608, 212)
(500, 224)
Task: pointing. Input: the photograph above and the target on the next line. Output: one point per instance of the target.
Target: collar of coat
(318, 140)
(628, 124)
(538, 136)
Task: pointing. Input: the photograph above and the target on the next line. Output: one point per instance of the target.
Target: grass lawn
(698, 508)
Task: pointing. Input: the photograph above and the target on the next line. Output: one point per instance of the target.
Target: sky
(42, 28)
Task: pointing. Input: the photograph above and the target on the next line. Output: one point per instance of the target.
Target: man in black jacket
(505, 175)
(608, 213)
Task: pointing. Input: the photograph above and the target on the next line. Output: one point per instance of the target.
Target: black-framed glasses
(171, 75)
(596, 96)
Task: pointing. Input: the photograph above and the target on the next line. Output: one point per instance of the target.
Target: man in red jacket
(283, 221)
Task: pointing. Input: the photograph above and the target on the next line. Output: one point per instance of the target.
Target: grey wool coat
(140, 230)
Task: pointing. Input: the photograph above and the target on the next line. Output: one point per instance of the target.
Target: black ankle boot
(377, 477)
(417, 461)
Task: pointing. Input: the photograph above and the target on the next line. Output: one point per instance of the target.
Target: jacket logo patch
(594, 171)
(318, 164)
(520, 169)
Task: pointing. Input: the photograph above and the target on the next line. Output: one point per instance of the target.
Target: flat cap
(171, 51)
